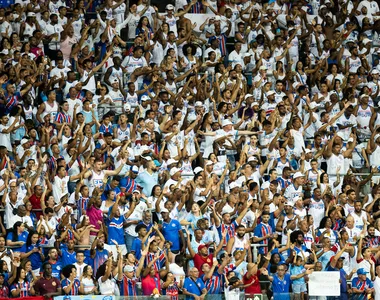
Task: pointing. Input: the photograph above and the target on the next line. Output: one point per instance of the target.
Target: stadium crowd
(142, 153)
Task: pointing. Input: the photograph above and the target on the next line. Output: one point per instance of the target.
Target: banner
(26, 298)
(85, 297)
(324, 284)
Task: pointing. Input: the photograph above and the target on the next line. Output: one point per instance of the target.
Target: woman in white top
(189, 59)
(88, 284)
(107, 286)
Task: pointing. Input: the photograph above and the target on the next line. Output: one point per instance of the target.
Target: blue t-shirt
(136, 247)
(296, 270)
(171, 233)
(21, 238)
(193, 287)
(68, 258)
(35, 258)
(362, 286)
(325, 259)
(281, 287)
(115, 229)
(56, 269)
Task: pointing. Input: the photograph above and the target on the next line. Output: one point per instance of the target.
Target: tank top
(313, 178)
(187, 169)
(354, 64)
(172, 22)
(28, 31)
(238, 244)
(171, 87)
(333, 162)
(51, 110)
(132, 100)
(96, 180)
(374, 158)
(123, 133)
(363, 118)
(66, 46)
(115, 74)
(281, 165)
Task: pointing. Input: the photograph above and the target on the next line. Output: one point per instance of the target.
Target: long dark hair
(29, 238)
(14, 231)
(85, 269)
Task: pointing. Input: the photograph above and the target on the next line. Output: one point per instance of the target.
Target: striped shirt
(262, 230)
(230, 229)
(127, 286)
(75, 287)
(63, 118)
(24, 288)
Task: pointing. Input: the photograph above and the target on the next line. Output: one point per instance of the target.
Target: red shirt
(254, 283)
(200, 260)
(45, 286)
(36, 204)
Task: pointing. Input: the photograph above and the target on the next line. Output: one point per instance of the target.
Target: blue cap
(157, 163)
(361, 271)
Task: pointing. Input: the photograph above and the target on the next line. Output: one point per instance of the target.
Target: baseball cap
(171, 161)
(298, 175)
(198, 103)
(169, 7)
(226, 122)
(247, 96)
(164, 210)
(361, 271)
(145, 98)
(24, 141)
(200, 247)
(129, 268)
(31, 14)
(263, 68)
(270, 93)
(175, 170)
(197, 170)
(135, 169)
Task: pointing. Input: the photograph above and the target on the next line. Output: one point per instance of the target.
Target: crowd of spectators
(143, 153)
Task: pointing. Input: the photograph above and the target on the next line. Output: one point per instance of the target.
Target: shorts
(299, 288)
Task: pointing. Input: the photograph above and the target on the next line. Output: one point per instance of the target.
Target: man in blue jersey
(67, 253)
(362, 287)
(281, 281)
(99, 255)
(128, 279)
(172, 231)
(193, 287)
(116, 226)
(55, 264)
(213, 277)
(263, 232)
(226, 225)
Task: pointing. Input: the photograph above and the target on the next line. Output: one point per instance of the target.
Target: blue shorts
(299, 288)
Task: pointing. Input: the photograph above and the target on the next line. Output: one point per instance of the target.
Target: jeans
(129, 241)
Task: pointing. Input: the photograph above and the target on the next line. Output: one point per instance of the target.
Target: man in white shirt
(53, 33)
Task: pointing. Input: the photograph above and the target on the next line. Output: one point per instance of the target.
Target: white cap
(263, 68)
(209, 163)
(312, 105)
(171, 161)
(247, 54)
(145, 98)
(270, 93)
(175, 170)
(198, 170)
(164, 210)
(128, 268)
(136, 191)
(217, 18)
(252, 158)
(135, 169)
(340, 134)
(198, 103)
(307, 150)
(366, 41)
(31, 14)
(255, 103)
(375, 71)
(148, 158)
(233, 185)
(376, 137)
(226, 122)
(24, 141)
(298, 175)
(247, 96)
(127, 106)
(363, 96)
(169, 7)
